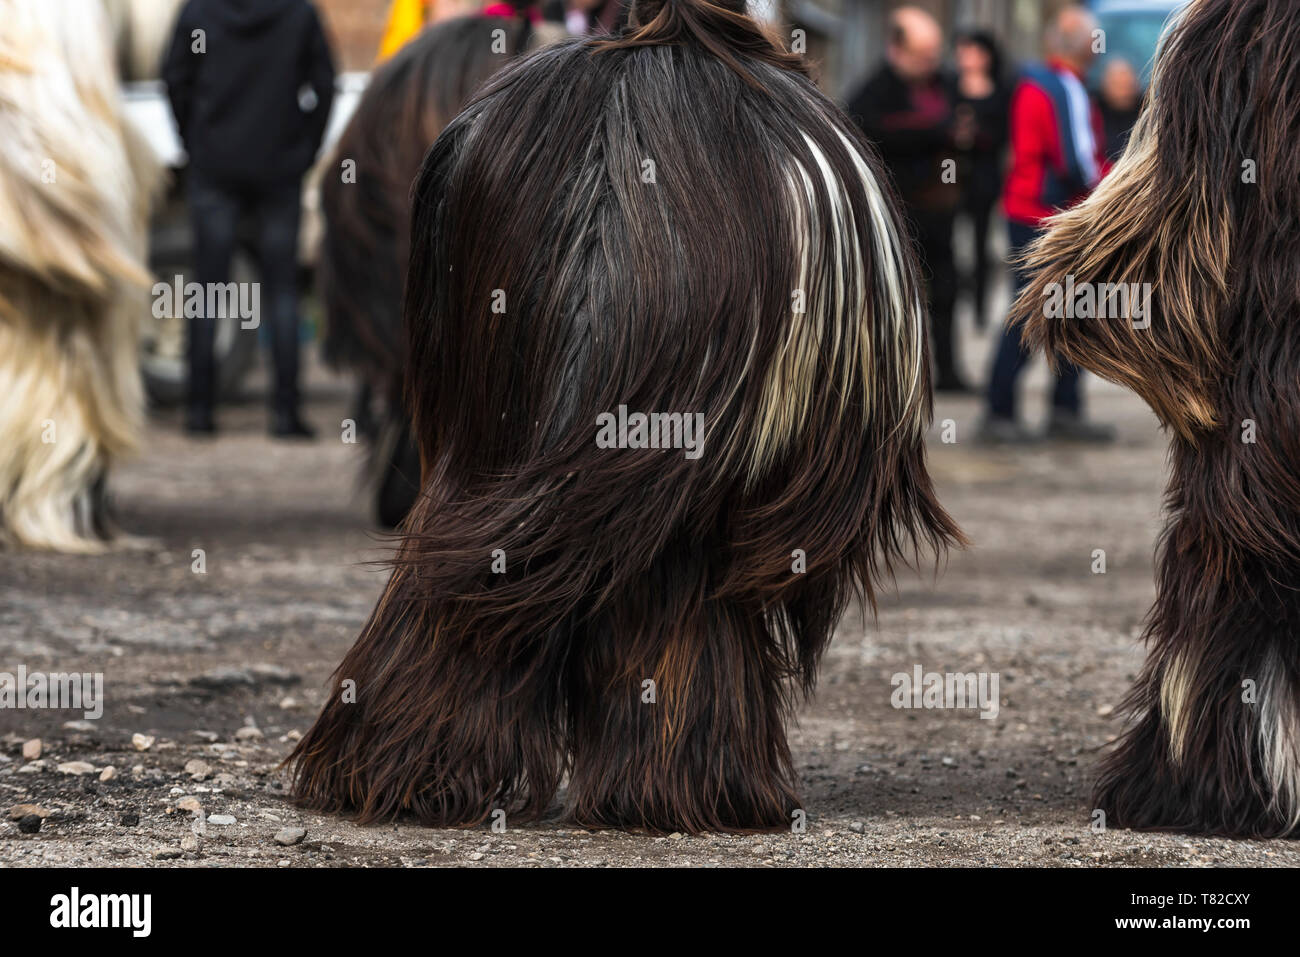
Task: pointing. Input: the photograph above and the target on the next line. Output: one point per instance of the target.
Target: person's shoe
(199, 422)
(996, 430)
(1071, 427)
(287, 425)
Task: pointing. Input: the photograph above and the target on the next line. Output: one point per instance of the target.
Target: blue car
(1133, 30)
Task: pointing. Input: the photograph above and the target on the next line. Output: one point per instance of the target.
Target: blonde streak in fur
(837, 269)
(785, 402)
(905, 324)
(791, 377)
(1279, 732)
(1175, 703)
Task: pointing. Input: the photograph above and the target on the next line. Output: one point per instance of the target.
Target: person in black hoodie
(250, 83)
(982, 103)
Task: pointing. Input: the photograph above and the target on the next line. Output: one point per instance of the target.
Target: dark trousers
(215, 212)
(978, 206)
(934, 237)
(1012, 356)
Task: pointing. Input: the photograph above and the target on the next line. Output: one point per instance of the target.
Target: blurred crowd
(964, 135)
(974, 141)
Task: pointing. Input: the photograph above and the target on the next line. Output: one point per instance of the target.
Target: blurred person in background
(251, 108)
(981, 104)
(1057, 158)
(906, 109)
(1120, 103)
(593, 17)
(529, 12)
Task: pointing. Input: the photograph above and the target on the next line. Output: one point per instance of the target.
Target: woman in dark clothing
(1120, 103)
(981, 100)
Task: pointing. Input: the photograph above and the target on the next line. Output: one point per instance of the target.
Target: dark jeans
(934, 237)
(215, 211)
(1012, 356)
(978, 205)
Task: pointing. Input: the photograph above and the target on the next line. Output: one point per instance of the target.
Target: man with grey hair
(1057, 158)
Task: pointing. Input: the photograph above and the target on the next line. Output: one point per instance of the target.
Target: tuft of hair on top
(720, 26)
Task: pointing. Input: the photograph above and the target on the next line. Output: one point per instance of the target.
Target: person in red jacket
(1057, 157)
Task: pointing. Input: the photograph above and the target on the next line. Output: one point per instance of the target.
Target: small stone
(76, 767)
(168, 854)
(20, 811)
(190, 842)
(289, 836)
(36, 767)
(208, 736)
(249, 733)
(129, 819)
(108, 773)
(288, 704)
(856, 827)
(758, 849)
(221, 820)
(219, 679)
(675, 836)
(1106, 710)
(273, 675)
(30, 824)
(32, 749)
(142, 742)
(79, 725)
(190, 804)
(198, 770)
(476, 856)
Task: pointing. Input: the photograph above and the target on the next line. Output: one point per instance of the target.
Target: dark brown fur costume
(678, 221)
(1205, 206)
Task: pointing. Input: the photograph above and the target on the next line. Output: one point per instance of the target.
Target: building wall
(355, 28)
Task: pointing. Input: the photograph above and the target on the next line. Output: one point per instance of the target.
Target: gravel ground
(210, 677)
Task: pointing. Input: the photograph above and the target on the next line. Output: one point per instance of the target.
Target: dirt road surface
(210, 677)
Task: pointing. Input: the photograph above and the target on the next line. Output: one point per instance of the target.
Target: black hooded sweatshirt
(239, 104)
